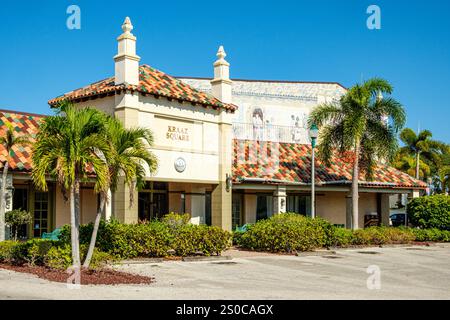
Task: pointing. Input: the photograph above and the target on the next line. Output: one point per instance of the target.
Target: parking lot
(414, 272)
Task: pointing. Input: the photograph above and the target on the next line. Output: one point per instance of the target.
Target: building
(230, 152)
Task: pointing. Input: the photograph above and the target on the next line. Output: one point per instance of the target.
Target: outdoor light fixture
(229, 182)
(313, 134)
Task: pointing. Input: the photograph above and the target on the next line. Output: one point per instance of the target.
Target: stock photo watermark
(374, 19)
(374, 280)
(73, 21)
(74, 279)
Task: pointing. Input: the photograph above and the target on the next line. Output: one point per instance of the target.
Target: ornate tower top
(221, 84)
(126, 60)
(127, 26)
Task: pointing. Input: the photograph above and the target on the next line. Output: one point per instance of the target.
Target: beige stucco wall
(200, 147)
(331, 206)
(62, 210)
(104, 104)
(88, 207)
(367, 205)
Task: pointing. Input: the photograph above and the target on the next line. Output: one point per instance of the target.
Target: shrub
(431, 235)
(190, 239)
(237, 235)
(6, 250)
(341, 237)
(430, 212)
(59, 257)
(176, 220)
(100, 259)
(399, 235)
(153, 239)
(147, 240)
(369, 236)
(38, 250)
(16, 219)
(288, 232)
(382, 235)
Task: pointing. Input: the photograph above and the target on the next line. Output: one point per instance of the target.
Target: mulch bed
(105, 277)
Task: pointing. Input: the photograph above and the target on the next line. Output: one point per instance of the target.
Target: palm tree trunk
(355, 193)
(74, 224)
(100, 212)
(3, 201)
(417, 165)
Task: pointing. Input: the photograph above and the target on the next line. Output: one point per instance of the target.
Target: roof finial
(221, 54)
(221, 84)
(127, 26)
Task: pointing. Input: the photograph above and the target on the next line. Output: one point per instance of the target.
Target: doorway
(153, 201)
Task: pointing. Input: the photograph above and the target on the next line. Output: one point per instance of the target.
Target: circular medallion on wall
(180, 165)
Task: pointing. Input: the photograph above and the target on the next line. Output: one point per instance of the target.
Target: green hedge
(430, 212)
(154, 239)
(288, 232)
(382, 235)
(292, 232)
(435, 235)
(53, 254)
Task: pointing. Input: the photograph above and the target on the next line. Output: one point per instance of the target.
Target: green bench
(243, 228)
(52, 235)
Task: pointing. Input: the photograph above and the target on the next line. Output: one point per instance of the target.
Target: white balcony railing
(269, 132)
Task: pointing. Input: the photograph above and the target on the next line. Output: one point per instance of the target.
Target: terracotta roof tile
(285, 162)
(25, 124)
(151, 81)
(270, 162)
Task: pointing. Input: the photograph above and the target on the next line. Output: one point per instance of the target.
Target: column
(385, 209)
(221, 195)
(123, 211)
(279, 200)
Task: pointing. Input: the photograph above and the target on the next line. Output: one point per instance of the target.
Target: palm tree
(129, 155)
(407, 163)
(421, 145)
(357, 122)
(67, 149)
(8, 141)
(443, 172)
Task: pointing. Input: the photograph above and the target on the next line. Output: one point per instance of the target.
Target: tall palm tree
(128, 158)
(407, 163)
(421, 146)
(443, 172)
(67, 149)
(357, 122)
(8, 141)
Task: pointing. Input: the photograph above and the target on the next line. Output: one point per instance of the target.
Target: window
(208, 218)
(264, 207)
(183, 203)
(20, 201)
(236, 208)
(41, 223)
(153, 201)
(300, 204)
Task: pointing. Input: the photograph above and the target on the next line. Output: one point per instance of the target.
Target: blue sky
(322, 40)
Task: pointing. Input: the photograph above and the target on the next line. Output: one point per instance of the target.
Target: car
(397, 219)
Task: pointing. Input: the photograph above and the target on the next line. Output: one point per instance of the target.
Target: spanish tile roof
(24, 124)
(289, 163)
(151, 81)
(285, 163)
